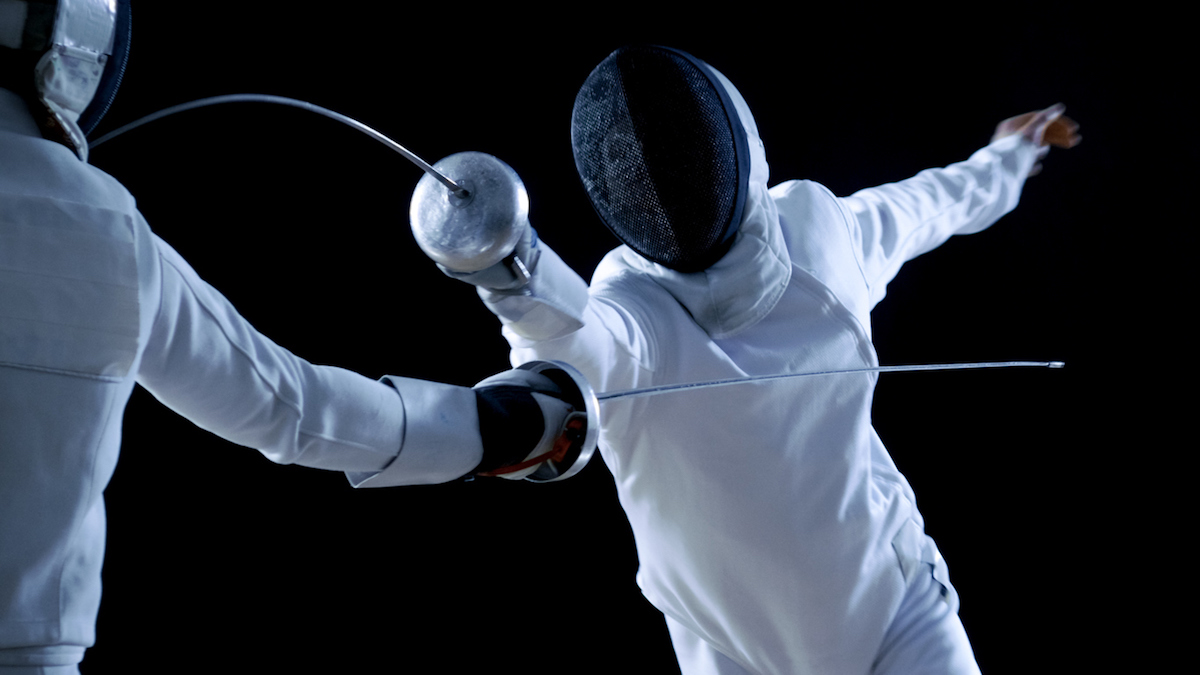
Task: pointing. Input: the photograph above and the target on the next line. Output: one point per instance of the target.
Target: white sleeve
(550, 306)
(206, 362)
(897, 222)
(557, 317)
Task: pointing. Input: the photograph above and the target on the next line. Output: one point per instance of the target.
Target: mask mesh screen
(655, 149)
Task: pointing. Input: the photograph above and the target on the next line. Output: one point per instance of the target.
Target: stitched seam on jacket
(237, 347)
(295, 407)
(62, 371)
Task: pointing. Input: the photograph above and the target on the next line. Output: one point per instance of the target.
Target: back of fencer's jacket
(69, 327)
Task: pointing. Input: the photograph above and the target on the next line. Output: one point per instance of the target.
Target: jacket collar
(743, 286)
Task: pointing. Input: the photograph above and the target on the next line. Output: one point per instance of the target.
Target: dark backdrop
(220, 560)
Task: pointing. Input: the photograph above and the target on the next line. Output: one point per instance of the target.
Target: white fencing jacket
(90, 302)
(769, 518)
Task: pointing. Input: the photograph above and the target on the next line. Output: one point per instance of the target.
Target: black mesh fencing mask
(662, 154)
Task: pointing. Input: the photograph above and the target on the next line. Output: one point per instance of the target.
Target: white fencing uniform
(90, 302)
(773, 529)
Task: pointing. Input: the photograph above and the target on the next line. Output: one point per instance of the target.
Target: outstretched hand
(1043, 128)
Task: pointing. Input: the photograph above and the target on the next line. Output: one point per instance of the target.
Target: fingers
(1052, 127)
(1043, 128)
(1035, 128)
(1063, 133)
(1012, 125)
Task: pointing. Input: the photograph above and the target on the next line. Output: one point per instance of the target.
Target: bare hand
(1043, 128)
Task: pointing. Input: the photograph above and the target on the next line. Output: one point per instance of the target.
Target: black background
(220, 560)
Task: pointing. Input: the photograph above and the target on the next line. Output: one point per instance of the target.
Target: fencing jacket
(90, 302)
(769, 518)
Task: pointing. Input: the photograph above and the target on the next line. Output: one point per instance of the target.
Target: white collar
(742, 287)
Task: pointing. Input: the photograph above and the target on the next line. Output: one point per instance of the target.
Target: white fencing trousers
(925, 638)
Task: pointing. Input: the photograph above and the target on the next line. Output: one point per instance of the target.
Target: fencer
(91, 301)
(773, 529)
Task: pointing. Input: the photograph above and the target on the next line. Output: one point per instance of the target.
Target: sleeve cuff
(441, 439)
(1017, 154)
(550, 307)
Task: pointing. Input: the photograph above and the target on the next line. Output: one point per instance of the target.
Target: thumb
(1035, 129)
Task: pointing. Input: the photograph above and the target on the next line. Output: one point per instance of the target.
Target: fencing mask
(662, 154)
(67, 57)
